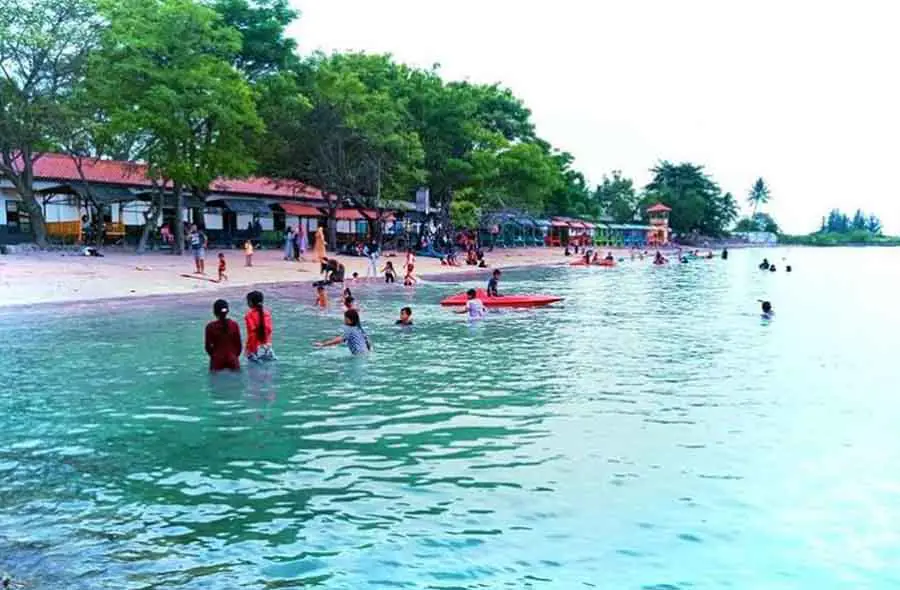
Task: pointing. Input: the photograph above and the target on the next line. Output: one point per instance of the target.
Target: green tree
(164, 73)
(617, 197)
(697, 203)
(464, 214)
(873, 224)
(265, 47)
(859, 222)
(44, 45)
(759, 222)
(759, 194)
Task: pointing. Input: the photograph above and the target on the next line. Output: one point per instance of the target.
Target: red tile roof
(62, 167)
(658, 208)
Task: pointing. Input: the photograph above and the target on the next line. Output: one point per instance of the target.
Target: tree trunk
(179, 221)
(35, 215)
(151, 216)
(332, 230)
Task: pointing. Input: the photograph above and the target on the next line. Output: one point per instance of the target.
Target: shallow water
(649, 433)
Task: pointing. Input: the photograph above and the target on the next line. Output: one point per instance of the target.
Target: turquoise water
(649, 433)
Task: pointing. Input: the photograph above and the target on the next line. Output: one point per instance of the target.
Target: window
(17, 219)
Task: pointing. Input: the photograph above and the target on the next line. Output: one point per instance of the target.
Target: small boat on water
(502, 301)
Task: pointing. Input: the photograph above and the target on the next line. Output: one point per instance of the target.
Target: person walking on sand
(198, 242)
(288, 243)
(319, 246)
(222, 340)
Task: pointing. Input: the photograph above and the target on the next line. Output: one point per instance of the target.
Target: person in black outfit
(493, 284)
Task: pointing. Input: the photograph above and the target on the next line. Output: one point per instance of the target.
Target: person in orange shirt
(321, 297)
(222, 267)
(248, 252)
(259, 330)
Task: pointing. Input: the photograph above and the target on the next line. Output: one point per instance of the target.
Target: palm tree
(759, 195)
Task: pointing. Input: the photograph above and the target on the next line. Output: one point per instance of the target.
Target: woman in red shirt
(259, 329)
(223, 340)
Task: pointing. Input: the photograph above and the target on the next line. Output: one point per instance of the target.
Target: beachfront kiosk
(659, 225)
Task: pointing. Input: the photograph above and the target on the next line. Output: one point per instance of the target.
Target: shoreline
(49, 279)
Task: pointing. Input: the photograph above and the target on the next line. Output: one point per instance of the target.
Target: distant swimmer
(659, 259)
(259, 329)
(493, 284)
(767, 312)
(354, 336)
(724, 253)
(764, 265)
(772, 268)
(223, 340)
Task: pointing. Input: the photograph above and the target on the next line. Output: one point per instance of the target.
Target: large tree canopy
(697, 202)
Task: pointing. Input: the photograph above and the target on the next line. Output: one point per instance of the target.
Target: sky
(804, 94)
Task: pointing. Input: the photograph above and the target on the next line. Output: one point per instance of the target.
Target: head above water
(471, 293)
(767, 307)
(496, 274)
(351, 318)
(347, 292)
(405, 313)
(220, 309)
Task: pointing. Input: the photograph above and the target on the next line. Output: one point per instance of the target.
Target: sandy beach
(57, 277)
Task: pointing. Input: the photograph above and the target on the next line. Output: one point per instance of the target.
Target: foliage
(44, 45)
(849, 238)
(758, 222)
(464, 214)
(164, 73)
(265, 48)
(840, 223)
(698, 205)
(758, 195)
(617, 197)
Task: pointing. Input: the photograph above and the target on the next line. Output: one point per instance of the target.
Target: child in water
(405, 317)
(390, 275)
(349, 301)
(474, 306)
(355, 337)
(222, 267)
(410, 279)
(259, 329)
(767, 312)
(321, 297)
(493, 284)
(248, 252)
(223, 340)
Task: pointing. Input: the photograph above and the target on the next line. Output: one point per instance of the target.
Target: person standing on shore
(319, 246)
(223, 340)
(288, 243)
(198, 242)
(302, 243)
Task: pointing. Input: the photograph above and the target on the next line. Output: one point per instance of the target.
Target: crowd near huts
(261, 209)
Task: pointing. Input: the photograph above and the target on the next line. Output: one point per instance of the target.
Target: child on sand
(390, 275)
(223, 340)
(222, 267)
(259, 329)
(405, 317)
(321, 297)
(354, 335)
(248, 252)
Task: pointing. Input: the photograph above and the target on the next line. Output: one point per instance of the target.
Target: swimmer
(493, 284)
(474, 306)
(349, 302)
(354, 336)
(410, 279)
(767, 312)
(659, 258)
(321, 297)
(724, 253)
(609, 257)
(259, 329)
(787, 268)
(223, 340)
(405, 317)
(764, 265)
(772, 268)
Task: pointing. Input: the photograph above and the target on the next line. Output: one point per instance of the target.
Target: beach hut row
(230, 211)
(509, 230)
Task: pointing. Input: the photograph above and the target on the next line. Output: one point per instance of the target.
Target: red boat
(503, 301)
(603, 262)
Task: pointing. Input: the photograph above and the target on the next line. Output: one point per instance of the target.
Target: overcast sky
(805, 94)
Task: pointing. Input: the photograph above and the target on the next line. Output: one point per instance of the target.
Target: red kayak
(604, 262)
(503, 300)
